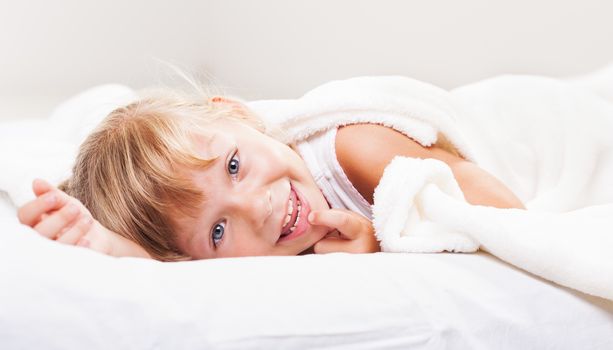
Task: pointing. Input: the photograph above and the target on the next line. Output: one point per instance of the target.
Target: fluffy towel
(548, 140)
(427, 214)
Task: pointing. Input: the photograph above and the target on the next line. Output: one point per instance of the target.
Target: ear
(240, 109)
(217, 99)
(225, 100)
(236, 106)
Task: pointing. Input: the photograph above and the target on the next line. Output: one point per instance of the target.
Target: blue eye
(217, 233)
(234, 164)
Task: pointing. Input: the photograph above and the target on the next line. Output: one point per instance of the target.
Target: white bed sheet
(60, 297)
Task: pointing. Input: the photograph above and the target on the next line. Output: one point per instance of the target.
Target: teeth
(297, 218)
(290, 209)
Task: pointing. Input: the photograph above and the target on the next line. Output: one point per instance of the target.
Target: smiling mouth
(295, 223)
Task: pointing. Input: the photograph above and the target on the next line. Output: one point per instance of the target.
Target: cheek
(278, 162)
(247, 244)
(279, 154)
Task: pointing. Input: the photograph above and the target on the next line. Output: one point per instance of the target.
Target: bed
(61, 297)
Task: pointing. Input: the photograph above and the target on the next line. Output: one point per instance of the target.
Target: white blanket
(550, 141)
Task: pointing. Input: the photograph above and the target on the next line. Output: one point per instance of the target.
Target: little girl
(173, 178)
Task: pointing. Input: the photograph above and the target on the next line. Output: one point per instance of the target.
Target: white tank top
(319, 154)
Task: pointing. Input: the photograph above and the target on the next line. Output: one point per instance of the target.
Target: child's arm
(364, 150)
(62, 218)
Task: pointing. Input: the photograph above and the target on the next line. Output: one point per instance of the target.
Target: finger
(330, 245)
(93, 240)
(30, 213)
(53, 225)
(77, 231)
(84, 242)
(40, 186)
(346, 222)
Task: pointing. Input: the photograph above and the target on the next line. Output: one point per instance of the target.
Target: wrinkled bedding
(62, 297)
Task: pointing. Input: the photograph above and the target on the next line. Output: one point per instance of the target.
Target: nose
(254, 206)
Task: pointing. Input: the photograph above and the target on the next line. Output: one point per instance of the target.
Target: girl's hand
(64, 219)
(355, 233)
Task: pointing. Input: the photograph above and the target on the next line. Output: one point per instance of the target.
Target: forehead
(213, 141)
(221, 134)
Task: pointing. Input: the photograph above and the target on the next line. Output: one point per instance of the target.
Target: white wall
(281, 48)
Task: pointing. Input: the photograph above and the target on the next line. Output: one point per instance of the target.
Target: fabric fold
(425, 212)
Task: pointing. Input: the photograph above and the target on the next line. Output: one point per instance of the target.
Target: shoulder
(364, 150)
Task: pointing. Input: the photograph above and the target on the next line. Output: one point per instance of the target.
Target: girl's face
(258, 195)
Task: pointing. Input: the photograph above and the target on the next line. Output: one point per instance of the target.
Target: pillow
(7, 209)
(63, 297)
(46, 148)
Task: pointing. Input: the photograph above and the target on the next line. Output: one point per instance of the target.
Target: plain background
(281, 48)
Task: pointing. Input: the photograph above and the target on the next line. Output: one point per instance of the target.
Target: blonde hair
(132, 172)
